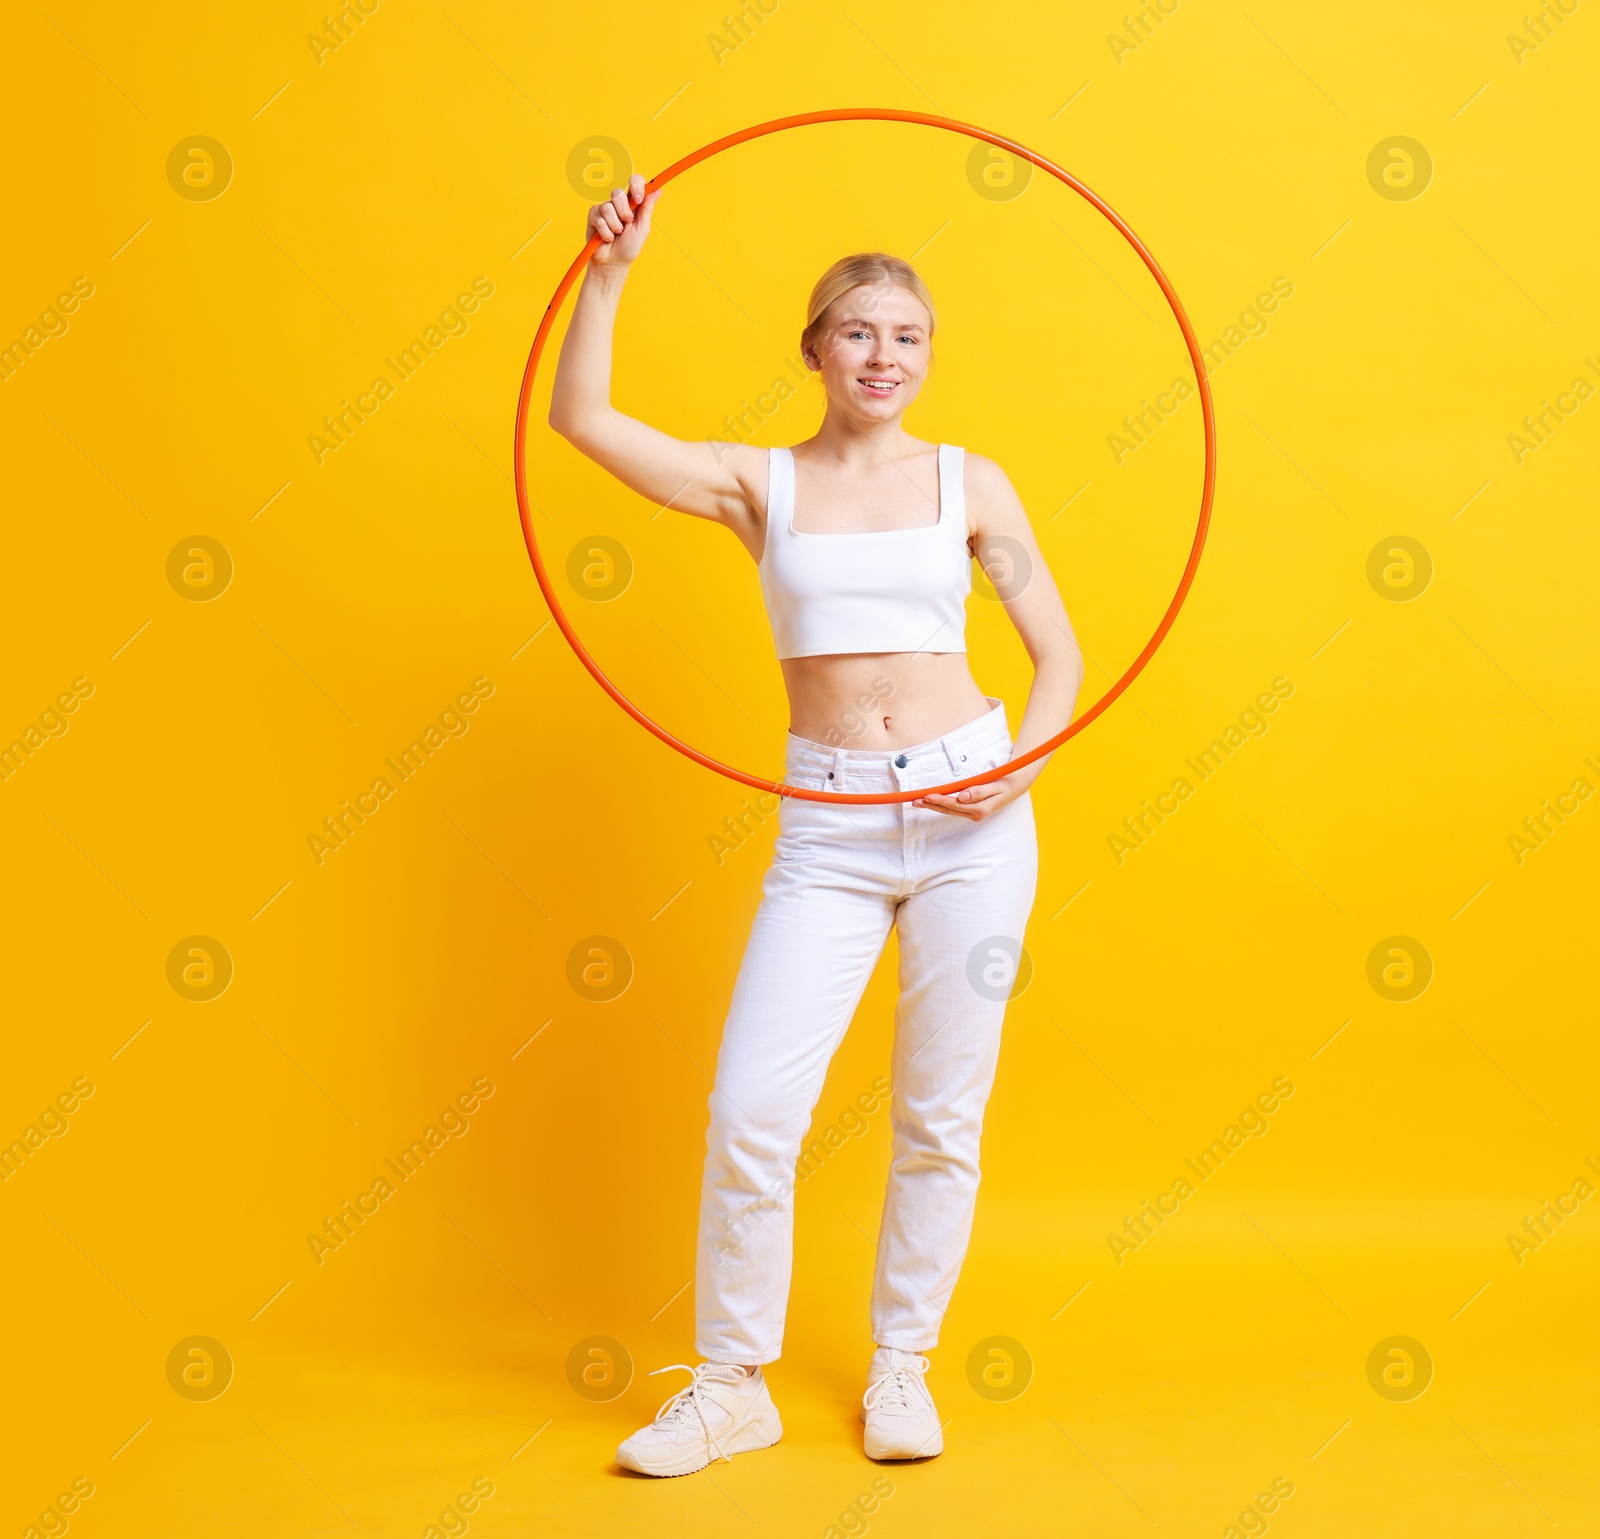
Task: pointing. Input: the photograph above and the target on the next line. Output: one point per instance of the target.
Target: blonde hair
(872, 269)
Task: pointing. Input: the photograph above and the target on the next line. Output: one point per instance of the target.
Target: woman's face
(872, 352)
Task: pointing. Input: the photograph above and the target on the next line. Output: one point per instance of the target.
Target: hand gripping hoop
(890, 115)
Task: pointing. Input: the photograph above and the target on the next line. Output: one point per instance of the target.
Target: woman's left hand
(978, 802)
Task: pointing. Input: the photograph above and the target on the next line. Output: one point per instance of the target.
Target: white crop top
(881, 590)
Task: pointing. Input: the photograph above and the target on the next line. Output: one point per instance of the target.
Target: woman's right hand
(622, 223)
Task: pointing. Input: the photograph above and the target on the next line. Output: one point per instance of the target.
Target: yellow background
(369, 590)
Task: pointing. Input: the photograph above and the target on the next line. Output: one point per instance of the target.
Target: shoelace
(899, 1389)
(676, 1409)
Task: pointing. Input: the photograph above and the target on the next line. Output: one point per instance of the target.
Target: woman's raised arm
(707, 479)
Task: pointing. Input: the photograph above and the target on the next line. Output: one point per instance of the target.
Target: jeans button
(901, 761)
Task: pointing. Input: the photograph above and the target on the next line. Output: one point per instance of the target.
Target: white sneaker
(898, 1410)
(722, 1411)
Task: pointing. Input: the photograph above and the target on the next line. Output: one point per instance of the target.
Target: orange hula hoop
(891, 115)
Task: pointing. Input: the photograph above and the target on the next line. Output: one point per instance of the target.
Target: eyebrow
(856, 320)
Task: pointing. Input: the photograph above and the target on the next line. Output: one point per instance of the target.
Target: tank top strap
(780, 498)
(952, 488)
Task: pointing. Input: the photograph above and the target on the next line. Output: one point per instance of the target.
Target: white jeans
(960, 892)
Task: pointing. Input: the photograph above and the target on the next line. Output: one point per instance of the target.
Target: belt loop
(961, 764)
(837, 772)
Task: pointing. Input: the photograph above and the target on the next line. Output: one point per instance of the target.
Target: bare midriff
(873, 700)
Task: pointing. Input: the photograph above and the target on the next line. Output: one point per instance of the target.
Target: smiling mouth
(879, 386)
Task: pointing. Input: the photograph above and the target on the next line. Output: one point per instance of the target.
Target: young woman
(863, 539)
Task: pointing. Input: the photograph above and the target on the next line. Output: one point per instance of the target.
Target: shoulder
(983, 474)
(991, 498)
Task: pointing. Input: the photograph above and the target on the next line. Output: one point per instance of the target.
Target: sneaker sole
(934, 1448)
(757, 1434)
(930, 1450)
